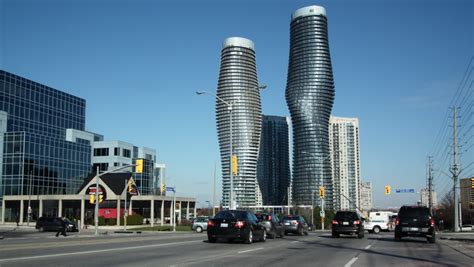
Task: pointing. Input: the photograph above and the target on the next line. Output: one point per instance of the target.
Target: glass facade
(310, 96)
(273, 171)
(36, 154)
(145, 179)
(238, 85)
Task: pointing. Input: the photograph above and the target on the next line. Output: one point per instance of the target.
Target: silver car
(200, 224)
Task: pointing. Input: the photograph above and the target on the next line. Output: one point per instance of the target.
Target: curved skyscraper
(238, 88)
(310, 96)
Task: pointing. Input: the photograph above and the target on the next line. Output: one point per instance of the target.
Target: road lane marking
(292, 242)
(367, 247)
(97, 251)
(349, 264)
(250, 250)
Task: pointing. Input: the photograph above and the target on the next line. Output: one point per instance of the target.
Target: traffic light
(387, 190)
(92, 199)
(321, 192)
(472, 183)
(234, 164)
(163, 188)
(101, 198)
(139, 166)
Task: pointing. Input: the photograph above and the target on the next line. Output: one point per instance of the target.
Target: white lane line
(250, 250)
(292, 242)
(97, 251)
(350, 262)
(367, 247)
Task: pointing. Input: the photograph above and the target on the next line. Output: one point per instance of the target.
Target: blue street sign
(410, 190)
(170, 189)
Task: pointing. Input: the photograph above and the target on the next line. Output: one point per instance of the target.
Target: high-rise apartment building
(344, 144)
(238, 112)
(366, 196)
(425, 198)
(310, 96)
(467, 198)
(44, 148)
(273, 171)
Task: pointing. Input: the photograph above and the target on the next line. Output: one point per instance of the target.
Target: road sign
(168, 188)
(29, 210)
(322, 213)
(409, 190)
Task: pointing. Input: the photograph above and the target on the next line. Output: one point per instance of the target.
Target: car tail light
(239, 224)
(432, 222)
(269, 217)
(397, 221)
(356, 222)
(210, 223)
(334, 222)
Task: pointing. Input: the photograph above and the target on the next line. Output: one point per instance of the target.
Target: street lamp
(321, 184)
(229, 108)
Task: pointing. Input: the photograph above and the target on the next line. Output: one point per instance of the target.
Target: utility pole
(455, 170)
(430, 184)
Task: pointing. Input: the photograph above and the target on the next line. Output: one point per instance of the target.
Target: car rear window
(346, 216)
(231, 214)
(413, 212)
(291, 218)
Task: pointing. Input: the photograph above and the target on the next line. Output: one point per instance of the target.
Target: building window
(116, 151)
(100, 152)
(126, 153)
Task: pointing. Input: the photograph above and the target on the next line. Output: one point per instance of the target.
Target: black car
(295, 224)
(272, 224)
(349, 223)
(415, 221)
(54, 223)
(235, 224)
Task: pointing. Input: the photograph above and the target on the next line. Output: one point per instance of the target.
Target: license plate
(345, 223)
(414, 229)
(286, 223)
(424, 230)
(224, 225)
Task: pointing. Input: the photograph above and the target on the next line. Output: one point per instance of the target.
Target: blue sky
(396, 64)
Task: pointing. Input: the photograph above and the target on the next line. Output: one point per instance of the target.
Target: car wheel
(300, 231)
(199, 229)
(306, 233)
(273, 235)
(211, 239)
(360, 235)
(249, 238)
(335, 235)
(432, 239)
(282, 234)
(398, 237)
(376, 229)
(264, 236)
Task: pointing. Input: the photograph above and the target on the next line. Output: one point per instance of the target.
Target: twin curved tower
(309, 95)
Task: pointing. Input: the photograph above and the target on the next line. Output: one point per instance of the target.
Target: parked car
(348, 223)
(295, 224)
(200, 224)
(415, 221)
(235, 224)
(272, 224)
(53, 223)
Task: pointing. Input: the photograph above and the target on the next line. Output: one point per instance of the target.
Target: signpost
(409, 190)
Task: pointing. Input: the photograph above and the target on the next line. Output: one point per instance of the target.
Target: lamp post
(96, 210)
(320, 182)
(229, 108)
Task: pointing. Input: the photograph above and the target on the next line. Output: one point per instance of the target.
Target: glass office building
(310, 96)
(273, 171)
(238, 86)
(36, 157)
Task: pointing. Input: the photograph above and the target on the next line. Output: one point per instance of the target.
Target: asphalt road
(192, 249)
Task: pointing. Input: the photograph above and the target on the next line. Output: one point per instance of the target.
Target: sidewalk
(460, 236)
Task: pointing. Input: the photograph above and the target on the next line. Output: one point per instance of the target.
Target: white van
(378, 221)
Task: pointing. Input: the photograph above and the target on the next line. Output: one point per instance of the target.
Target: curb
(127, 232)
(457, 239)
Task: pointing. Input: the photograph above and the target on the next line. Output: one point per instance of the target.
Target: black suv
(272, 224)
(415, 221)
(347, 222)
(54, 223)
(235, 224)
